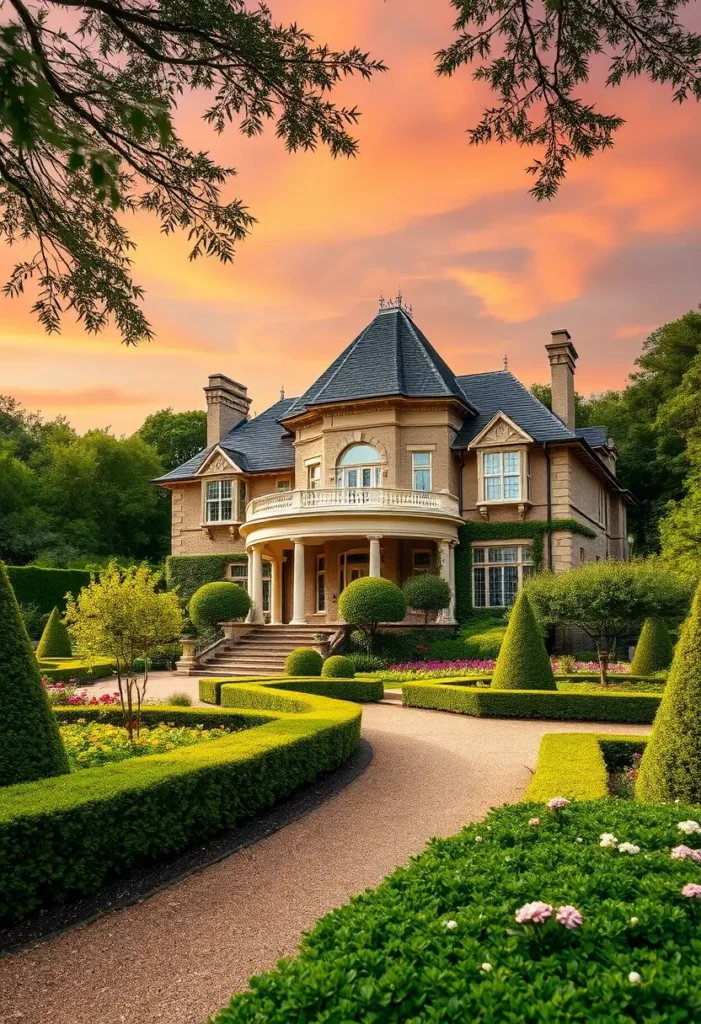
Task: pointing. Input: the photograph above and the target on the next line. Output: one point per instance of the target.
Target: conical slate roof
(390, 357)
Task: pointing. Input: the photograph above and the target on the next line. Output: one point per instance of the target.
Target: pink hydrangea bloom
(685, 853)
(534, 913)
(692, 889)
(534, 821)
(570, 917)
(557, 803)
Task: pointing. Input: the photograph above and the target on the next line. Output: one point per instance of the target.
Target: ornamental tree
(608, 599)
(218, 602)
(427, 593)
(523, 662)
(124, 615)
(55, 641)
(371, 600)
(30, 743)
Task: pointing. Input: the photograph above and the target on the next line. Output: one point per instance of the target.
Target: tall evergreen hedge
(671, 765)
(30, 744)
(46, 588)
(523, 662)
(654, 650)
(55, 641)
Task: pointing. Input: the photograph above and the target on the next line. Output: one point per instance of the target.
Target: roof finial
(506, 361)
(396, 303)
(382, 301)
(282, 393)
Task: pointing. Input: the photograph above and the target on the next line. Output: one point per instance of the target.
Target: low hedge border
(362, 691)
(65, 837)
(568, 707)
(576, 764)
(56, 669)
(156, 714)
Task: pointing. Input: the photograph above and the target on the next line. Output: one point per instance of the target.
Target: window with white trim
(603, 510)
(321, 583)
(219, 506)
(498, 573)
(501, 476)
(421, 471)
(238, 573)
(314, 476)
(359, 466)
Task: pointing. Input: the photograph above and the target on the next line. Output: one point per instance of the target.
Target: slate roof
(391, 356)
(260, 445)
(500, 391)
(595, 436)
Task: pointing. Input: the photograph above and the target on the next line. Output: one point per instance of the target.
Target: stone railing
(348, 499)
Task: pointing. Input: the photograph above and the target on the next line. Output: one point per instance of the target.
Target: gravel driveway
(178, 956)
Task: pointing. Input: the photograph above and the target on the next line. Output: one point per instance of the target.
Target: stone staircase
(262, 651)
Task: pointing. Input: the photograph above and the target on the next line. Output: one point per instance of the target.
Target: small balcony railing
(349, 499)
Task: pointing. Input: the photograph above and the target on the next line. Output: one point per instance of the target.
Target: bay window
(498, 573)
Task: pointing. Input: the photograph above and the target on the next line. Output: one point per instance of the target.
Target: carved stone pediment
(500, 431)
(216, 464)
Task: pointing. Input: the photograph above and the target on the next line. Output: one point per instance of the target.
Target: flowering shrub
(60, 693)
(528, 925)
(91, 744)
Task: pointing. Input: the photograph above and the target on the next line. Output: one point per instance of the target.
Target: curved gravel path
(177, 957)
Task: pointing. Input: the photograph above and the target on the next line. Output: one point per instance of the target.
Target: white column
(447, 616)
(374, 567)
(299, 587)
(257, 584)
(451, 608)
(275, 593)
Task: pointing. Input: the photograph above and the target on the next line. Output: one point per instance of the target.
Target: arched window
(359, 466)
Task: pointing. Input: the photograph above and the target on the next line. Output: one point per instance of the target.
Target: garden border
(361, 691)
(574, 764)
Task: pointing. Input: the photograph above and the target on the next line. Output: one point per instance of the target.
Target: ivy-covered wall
(471, 532)
(189, 572)
(46, 588)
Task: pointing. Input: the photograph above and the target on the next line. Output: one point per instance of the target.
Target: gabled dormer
(503, 465)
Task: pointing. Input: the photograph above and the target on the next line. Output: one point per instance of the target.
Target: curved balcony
(350, 500)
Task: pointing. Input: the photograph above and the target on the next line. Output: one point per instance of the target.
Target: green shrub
(55, 641)
(179, 699)
(75, 668)
(567, 707)
(523, 662)
(369, 601)
(188, 573)
(66, 837)
(671, 766)
(30, 744)
(218, 602)
(46, 588)
(362, 691)
(478, 640)
(654, 650)
(427, 593)
(576, 765)
(33, 618)
(390, 954)
(338, 666)
(305, 661)
(210, 689)
(365, 662)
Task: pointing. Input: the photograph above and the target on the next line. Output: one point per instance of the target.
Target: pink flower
(685, 853)
(534, 821)
(692, 889)
(557, 803)
(533, 913)
(570, 917)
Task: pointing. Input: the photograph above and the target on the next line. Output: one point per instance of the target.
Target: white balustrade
(344, 499)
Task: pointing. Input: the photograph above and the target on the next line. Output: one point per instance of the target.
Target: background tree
(537, 59)
(427, 593)
(608, 600)
(87, 134)
(175, 436)
(124, 615)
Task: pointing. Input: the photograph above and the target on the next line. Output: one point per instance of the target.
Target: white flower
(450, 925)
(478, 839)
(608, 839)
(630, 848)
(689, 828)
(486, 967)
(579, 839)
(634, 978)
(633, 920)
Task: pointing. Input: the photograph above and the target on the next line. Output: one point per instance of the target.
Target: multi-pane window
(357, 467)
(238, 572)
(321, 583)
(283, 485)
(498, 573)
(314, 476)
(501, 473)
(421, 470)
(421, 562)
(219, 504)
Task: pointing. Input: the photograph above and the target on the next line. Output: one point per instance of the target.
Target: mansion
(375, 468)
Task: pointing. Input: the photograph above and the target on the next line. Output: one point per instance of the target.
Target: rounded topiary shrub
(55, 641)
(654, 649)
(671, 765)
(305, 661)
(427, 593)
(371, 600)
(523, 662)
(30, 743)
(338, 667)
(218, 602)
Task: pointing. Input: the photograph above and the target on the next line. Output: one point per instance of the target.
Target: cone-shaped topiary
(30, 743)
(654, 649)
(523, 662)
(55, 641)
(304, 661)
(671, 765)
(338, 667)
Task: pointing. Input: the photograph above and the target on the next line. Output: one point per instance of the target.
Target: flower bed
(525, 916)
(60, 693)
(91, 744)
(408, 670)
(65, 837)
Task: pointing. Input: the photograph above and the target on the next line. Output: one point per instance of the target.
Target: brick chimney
(227, 406)
(563, 356)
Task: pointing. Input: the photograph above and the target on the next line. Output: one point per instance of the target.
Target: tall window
(359, 466)
(314, 476)
(498, 573)
(320, 583)
(238, 572)
(603, 506)
(501, 473)
(219, 504)
(421, 470)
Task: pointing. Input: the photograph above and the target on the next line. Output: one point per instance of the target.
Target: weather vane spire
(506, 361)
(282, 392)
(396, 303)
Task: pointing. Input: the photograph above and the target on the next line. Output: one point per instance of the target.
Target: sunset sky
(487, 269)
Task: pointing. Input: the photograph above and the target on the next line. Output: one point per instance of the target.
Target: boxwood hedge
(46, 588)
(576, 764)
(73, 668)
(573, 707)
(437, 941)
(65, 837)
(360, 690)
